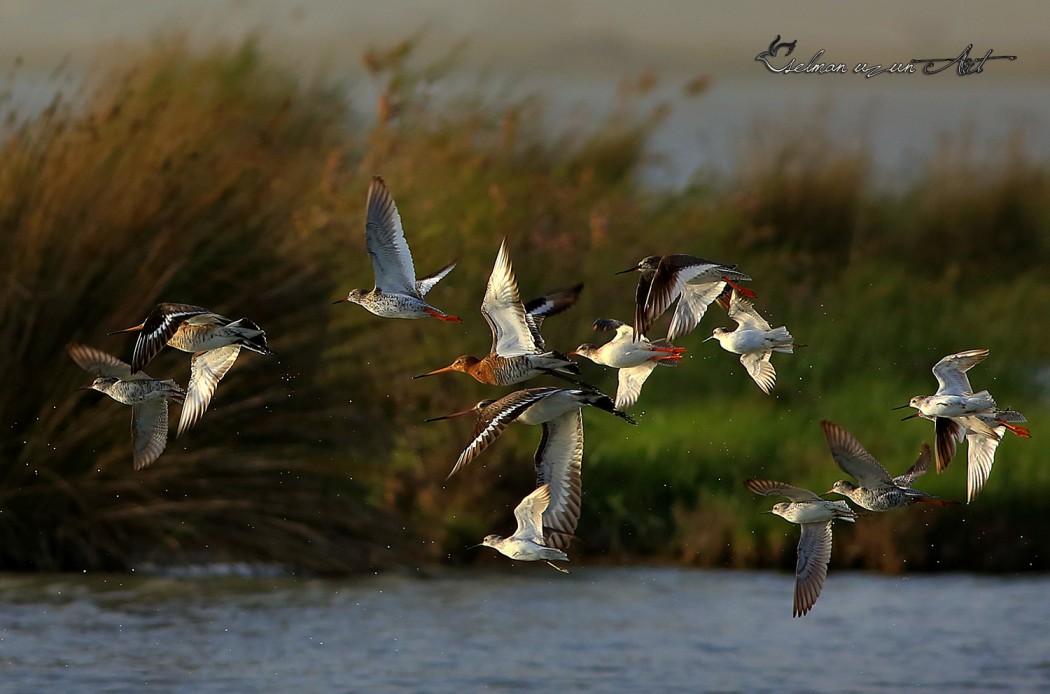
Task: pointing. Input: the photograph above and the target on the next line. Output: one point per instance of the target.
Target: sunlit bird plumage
(147, 396)
(633, 358)
(814, 546)
(397, 293)
(214, 340)
(754, 340)
(875, 490)
(518, 351)
(693, 281)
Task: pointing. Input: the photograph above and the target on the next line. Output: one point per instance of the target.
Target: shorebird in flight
(214, 340)
(518, 352)
(957, 412)
(634, 359)
(559, 456)
(147, 396)
(754, 341)
(954, 396)
(983, 432)
(814, 546)
(528, 406)
(528, 543)
(695, 282)
(397, 292)
(876, 489)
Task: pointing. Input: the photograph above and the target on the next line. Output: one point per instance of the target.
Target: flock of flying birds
(547, 517)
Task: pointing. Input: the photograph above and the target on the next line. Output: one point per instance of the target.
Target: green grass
(219, 178)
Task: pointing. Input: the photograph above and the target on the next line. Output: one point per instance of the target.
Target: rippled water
(596, 629)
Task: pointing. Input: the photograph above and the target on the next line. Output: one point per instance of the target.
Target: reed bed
(220, 178)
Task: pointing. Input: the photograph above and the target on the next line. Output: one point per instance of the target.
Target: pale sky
(575, 52)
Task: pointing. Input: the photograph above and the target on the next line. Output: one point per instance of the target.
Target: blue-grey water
(523, 629)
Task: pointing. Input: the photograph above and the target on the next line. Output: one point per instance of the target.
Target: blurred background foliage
(222, 179)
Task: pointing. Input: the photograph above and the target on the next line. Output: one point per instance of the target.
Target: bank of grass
(219, 179)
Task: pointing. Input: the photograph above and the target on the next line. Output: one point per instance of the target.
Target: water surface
(597, 629)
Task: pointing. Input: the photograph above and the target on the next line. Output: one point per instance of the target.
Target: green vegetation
(220, 179)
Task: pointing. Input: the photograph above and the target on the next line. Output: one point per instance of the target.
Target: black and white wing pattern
(387, 247)
(162, 323)
(206, 370)
(496, 417)
(559, 460)
(549, 305)
(504, 312)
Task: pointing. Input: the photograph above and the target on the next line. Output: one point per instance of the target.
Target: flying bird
(958, 412)
(518, 351)
(147, 396)
(634, 359)
(983, 432)
(397, 292)
(695, 282)
(528, 543)
(954, 396)
(529, 406)
(754, 341)
(559, 456)
(876, 489)
(814, 546)
(214, 340)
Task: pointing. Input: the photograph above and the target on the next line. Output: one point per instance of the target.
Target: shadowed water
(597, 629)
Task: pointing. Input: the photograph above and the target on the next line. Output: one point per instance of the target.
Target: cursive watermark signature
(777, 59)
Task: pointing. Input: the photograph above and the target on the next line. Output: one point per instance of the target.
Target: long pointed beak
(435, 372)
(448, 416)
(911, 416)
(569, 354)
(480, 544)
(132, 329)
(762, 513)
(84, 388)
(710, 338)
(630, 269)
(340, 301)
(900, 407)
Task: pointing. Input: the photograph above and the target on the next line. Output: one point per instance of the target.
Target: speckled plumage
(815, 515)
(518, 352)
(876, 491)
(397, 292)
(147, 396)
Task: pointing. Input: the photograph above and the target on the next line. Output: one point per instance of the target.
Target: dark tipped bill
(132, 329)
(449, 416)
